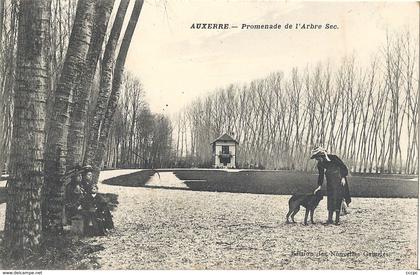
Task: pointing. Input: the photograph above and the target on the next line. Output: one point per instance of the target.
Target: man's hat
(87, 168)
(77, 170)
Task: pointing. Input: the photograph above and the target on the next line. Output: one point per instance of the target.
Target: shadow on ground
(135, 179)
(3, 195)
(168, 188)
(111, 199)
(67, 251)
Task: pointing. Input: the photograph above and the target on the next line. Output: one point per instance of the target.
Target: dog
(309, 201)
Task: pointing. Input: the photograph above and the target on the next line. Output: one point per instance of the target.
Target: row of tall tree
(138, 138)
(61, 22)
(60, 60)
(366, 115)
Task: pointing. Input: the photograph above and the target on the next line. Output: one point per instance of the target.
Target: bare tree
(362, 114)
(78, 115)
(1, 19)
(8, 49)
(116, 87)
(56, 151)
(107, 68)
(23, 209)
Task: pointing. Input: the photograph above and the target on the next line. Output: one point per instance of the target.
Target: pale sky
(177, 64)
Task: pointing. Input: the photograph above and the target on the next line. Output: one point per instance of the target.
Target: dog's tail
(292, 198)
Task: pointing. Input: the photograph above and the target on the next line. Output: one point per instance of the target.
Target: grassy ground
(289, 182)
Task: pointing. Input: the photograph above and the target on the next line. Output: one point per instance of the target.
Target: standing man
(337, 187)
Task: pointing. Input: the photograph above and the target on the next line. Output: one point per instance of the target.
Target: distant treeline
(366, 115)
(138, 138)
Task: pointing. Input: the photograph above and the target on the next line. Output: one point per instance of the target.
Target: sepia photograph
(208, 135)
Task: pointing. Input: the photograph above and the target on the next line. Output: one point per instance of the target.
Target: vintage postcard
(209, 135)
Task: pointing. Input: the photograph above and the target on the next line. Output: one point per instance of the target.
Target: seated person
(95, 210)
(73, 195)
(87, 178)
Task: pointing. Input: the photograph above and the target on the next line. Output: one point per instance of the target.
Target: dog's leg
(344, 208)
(330, 216)
(288, 215)
(306, 217)
(312, 216)
(294, 213)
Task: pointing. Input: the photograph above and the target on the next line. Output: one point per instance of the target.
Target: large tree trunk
(1, 19)
(23, 210)
(105, 83)
(78, 115)
(56, 150)
(116, 85)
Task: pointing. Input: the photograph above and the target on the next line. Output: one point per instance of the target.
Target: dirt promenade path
(182, 229)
